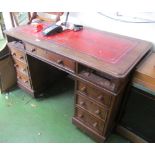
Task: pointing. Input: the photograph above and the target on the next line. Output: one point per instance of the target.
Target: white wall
(7, 20)
(145, 31)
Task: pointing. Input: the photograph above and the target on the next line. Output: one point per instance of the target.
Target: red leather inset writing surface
(102, 45)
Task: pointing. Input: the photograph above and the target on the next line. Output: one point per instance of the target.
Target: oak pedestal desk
(100, 62)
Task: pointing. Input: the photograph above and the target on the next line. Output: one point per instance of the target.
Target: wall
(145, 31)
(7, 20)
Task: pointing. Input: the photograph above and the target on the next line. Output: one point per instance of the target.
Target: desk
(100, 63)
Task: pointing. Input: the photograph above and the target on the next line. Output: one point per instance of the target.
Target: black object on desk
(52, 29)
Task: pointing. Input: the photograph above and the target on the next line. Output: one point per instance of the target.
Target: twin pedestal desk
(100, 62)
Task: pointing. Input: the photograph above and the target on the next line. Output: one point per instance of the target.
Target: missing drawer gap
(17, 44)
(85, 71)
(97, 77)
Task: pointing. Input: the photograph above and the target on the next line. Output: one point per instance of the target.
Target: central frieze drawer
(57, 59)
(94, 93)
(62, 61)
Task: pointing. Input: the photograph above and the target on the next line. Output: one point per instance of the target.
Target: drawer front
(89, 120)
(62, 61)
(57, 59)
(22, 67)
(31, 48)
(94, 93)
(17, 54)
(92, 107)
(23, 79)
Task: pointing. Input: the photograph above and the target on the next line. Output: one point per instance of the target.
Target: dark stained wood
(93, 107)
(94, 93)
(97, 103)
(87, 130)
(23, 79)
(19, 66)
(120, 70)
(99, 85)
(50, 57)
(27, 89)
(92, 122)
(7, 74)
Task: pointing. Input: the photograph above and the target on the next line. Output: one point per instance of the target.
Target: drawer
(61, 61)
(17, 53)
(89, 120)
(23, 79)
(94, 93)
(31, 48)
(57, 59)
(20, 66)
(92, 107)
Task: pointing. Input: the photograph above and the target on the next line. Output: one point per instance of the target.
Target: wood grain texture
(120, 70)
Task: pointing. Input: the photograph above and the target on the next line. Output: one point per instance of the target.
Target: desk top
(111, 53)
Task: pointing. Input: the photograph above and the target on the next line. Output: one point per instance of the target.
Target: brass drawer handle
(95, 124)
(100, 97)
(83, 89)
(97, 112)
(26, 81)
(24, 70)
(19, 77)
(82, 103)
(21, 57)
(80, 115)
(16, 65)
(33, 50)
(60, 62)
(14, 54)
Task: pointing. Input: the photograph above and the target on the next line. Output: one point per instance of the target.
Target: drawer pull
(33, 50)
(82, 103)
(83, 89)
(14, 54)
(60, 62)
(26, 81)
(21, 58)
(16, 65)
(100, 97)
(97, 112)
(24, 70)
(80, 115)
(19, 77)
(95, 124)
